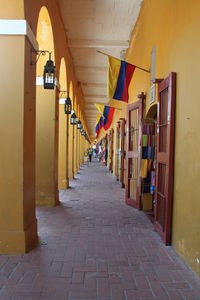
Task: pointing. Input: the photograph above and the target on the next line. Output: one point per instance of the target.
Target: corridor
(93, 246)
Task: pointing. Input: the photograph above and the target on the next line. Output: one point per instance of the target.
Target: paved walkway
(93, 246)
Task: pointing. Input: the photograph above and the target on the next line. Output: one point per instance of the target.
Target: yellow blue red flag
(119, 77)
(107, 112)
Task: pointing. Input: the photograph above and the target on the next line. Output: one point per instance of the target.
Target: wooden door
(111, 149)
(133, 154)
(118, 151)
(165, 156)
(122, 152)
(106, 149)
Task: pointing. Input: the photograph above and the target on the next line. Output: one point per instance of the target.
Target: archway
(75, 137)
(46, 121)
(63, 151)
(149, 129)
(71, 130)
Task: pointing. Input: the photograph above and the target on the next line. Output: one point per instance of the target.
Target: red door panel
(165, 157)
(123, 153)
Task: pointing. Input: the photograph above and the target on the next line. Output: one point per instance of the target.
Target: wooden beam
(94, 84)
(92, 43)
(89, 69)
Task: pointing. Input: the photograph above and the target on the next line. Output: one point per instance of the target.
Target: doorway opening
(148, 161)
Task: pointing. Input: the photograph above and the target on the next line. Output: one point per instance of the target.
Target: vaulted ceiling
(92, 25)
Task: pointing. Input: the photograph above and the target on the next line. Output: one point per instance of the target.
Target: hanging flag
(108, 116)
(107, 113)
(100, 108)
(99, 124)
(119, 77)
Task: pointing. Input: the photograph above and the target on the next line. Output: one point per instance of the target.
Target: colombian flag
(99, 124)
(119, 77)
(107, 113)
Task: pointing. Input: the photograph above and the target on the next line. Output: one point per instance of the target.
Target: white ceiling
(91, 25)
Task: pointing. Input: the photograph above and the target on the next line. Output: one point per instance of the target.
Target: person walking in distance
(90, 154)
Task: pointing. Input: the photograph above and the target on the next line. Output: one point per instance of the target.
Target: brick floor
(93, 246)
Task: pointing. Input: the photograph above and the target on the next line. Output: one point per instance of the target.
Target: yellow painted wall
(18, 230)
(70, 151)
(62, 180)
(18, 224)
(63, 151)
(173, 26)
(45, 120)
(13, 9)
(45, 142)
(75, 138)
(32, 10)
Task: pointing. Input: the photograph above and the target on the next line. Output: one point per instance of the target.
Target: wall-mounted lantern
(79, 125)
(82, 131)
(68, 106)
(49, 75)
(73, 120)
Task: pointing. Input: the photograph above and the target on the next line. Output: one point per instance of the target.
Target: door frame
(118, 146)
(168, 158)
(131, 154)
(123, 151)
(111, 149)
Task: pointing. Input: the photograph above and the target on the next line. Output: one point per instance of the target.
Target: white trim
(13, 27)
(62, 100)
(39, 81)
(18, 27)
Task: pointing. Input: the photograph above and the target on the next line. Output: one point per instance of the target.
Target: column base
(47, 200)
(15, 242)
(67, 183)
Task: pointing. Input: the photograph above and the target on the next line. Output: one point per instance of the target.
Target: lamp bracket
(38, 54)
(62, 93)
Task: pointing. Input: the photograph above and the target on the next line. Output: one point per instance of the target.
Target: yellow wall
(45, 120)
(63, 151)
(18, 230)
(75, 138)
(45, 142)
(32, 10)
(70, 151)
(173, 26)
(62, 180)
(18, 224)
(13, 9)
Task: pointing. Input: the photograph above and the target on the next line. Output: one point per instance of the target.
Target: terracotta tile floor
(93, 246)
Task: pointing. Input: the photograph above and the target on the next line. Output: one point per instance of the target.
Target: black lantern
(79, 124)
(82, 131)
(68, 106)
(73, 119)
(49, 75)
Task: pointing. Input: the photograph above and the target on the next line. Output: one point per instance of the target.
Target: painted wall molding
(62, 100)
(18, 27)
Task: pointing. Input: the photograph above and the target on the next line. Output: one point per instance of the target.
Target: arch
(63, 75)
(71, 92)
(46, 120)
(75, 105)
(62, 134)
(71, 140)
(152, 112)
(45, 38)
